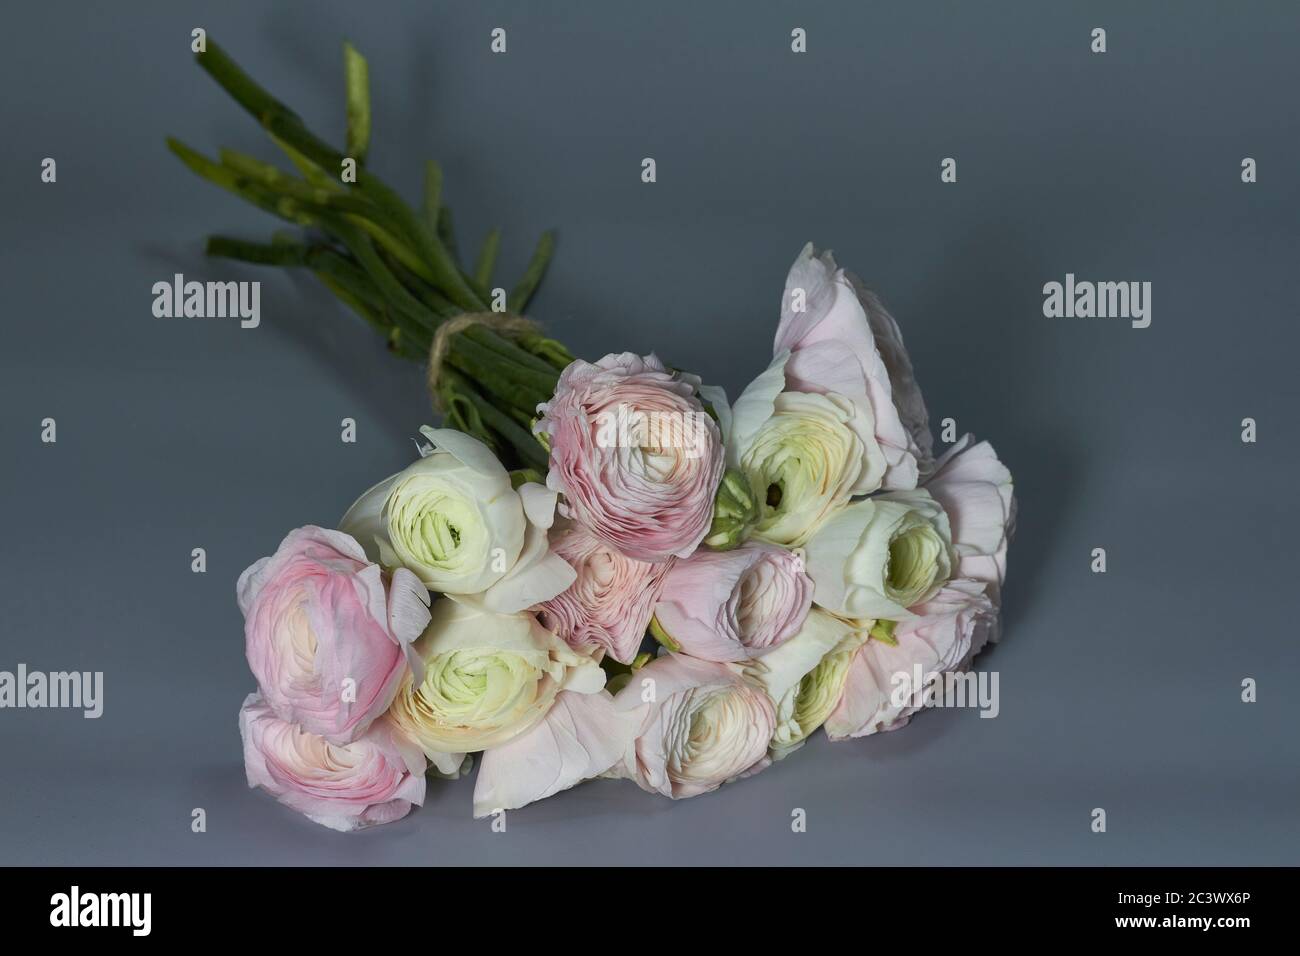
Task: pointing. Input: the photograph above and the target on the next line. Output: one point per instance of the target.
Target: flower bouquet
(593, 569)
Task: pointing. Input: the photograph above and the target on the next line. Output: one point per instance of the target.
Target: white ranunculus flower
(454, 520)
(805, 677)
(880, 556)
(802, 463)
(487, 678)
(805, 454)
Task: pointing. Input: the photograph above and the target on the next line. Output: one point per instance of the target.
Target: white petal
(466, 449)
(539, 503)
(529, 583)
(754, 407)
(365, 521)
(716, 396)
(781, 669)
(827, 553)
(582, 736)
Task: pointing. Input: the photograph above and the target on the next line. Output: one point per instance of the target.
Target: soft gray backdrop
(1118, 690)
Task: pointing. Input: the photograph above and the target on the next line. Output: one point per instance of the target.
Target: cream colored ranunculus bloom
(803, 454)
(487, 678)
(805, 676)
(880, 556)
(454, 520)
(803, 463)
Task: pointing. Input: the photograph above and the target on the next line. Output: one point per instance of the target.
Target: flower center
(774, 495)
(912, 557)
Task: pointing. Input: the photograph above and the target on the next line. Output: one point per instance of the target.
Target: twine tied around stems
(504, 323)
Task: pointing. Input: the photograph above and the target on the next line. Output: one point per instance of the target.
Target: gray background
(1118, 690)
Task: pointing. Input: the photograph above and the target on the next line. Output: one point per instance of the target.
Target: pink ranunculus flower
(976, 491)
(327, 633)
(842, 341)
(374, 779)
(610, 603)
(881, 690)
(634, 454)
(734, 605)
(701, 724)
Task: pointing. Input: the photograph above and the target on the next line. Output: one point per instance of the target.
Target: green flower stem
(487, 259)
(339, 275)
(521, 476)
(356, 79)
(273, 115)
(393, 291)
(530, 453)
(525, 417)
(320, 259)
(434, 300)
(508, 350)
(552, 352)
(309, 170)
(446, 232)
(399, 250)
(285, 125)
(415, 336)
(459, 411)
(342, 277)
(301, 203)
(417, 330)
(265, 254)
(397, 269)
(358, 211)
(242, 186)
(433, 201)
(518, 299)
(355, 304)
(272, 179)
(515, 387)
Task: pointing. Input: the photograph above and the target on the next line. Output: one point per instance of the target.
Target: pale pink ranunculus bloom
(734, 605)
(582, 736)
(680, 727)
(327, 633)
(842, 341)
(700, 724)
(610, 603)
(374, 779)
(976, 491)
(634, 454)
(880, 690)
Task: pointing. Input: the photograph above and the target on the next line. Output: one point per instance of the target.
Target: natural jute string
(511, 326)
